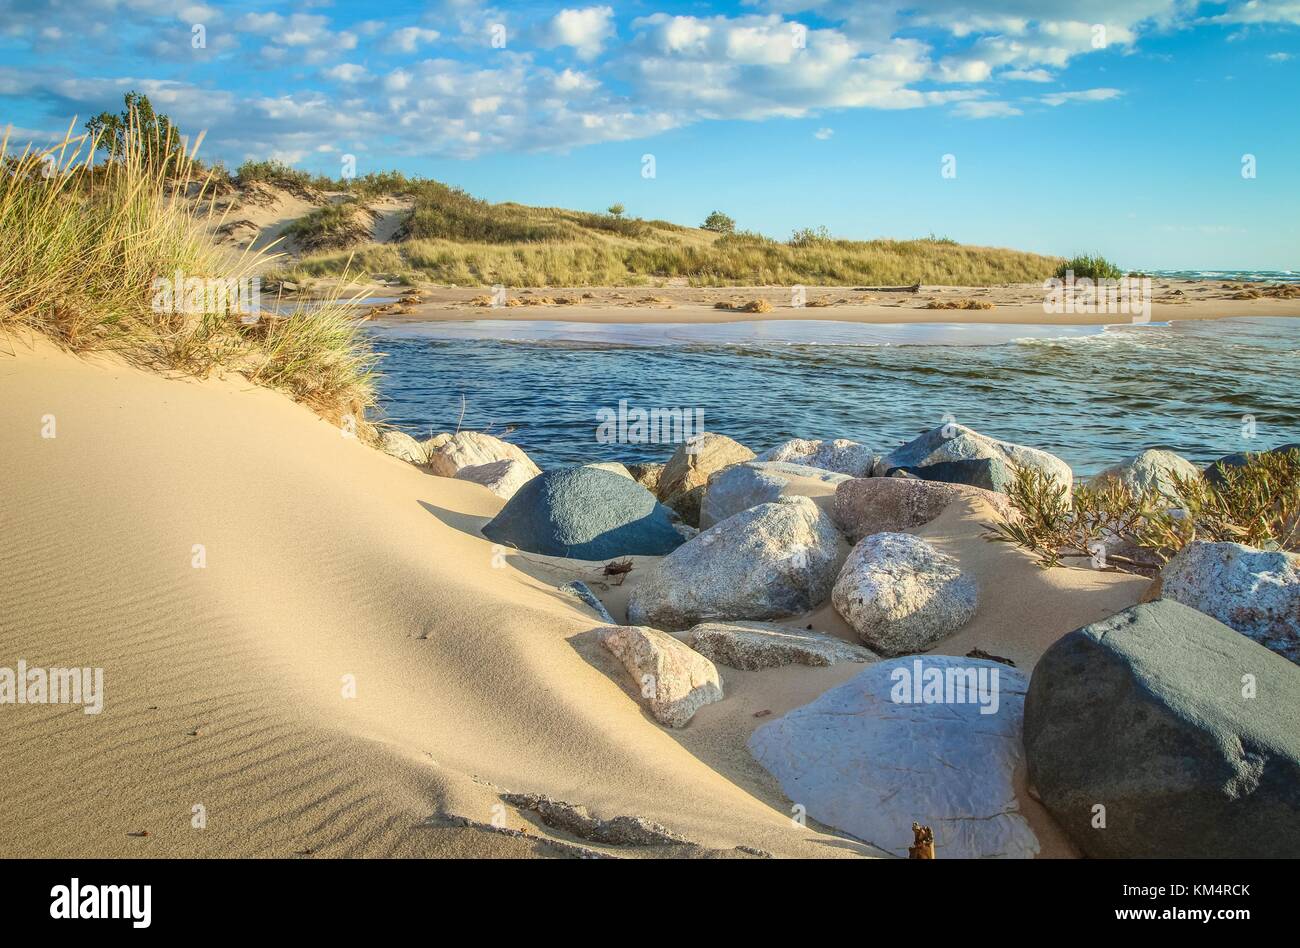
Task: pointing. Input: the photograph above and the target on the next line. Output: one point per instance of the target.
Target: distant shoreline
(1012, 304)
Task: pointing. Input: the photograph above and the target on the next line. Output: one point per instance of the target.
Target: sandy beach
(1017, 304)
(324, 558)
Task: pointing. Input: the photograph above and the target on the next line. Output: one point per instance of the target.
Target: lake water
(1091, 395)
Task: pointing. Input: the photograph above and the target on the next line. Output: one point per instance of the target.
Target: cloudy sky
(1118, 126)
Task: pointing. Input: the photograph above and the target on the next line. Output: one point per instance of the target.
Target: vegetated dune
(329, 564)
(427, 231)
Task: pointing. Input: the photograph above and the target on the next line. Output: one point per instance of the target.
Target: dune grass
(592, 250)
(86, 244)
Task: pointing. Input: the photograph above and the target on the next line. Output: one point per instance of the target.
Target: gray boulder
(959, 443)
(674, 679)
(1256, 592)
(773, 560)
(755, 645)
(448, 453)
(1152, 469)
(582, 592)
(876, 753)
(867, 505)
(746, 485)
(585, 513)
(841, 456)
(1214, 473)
(901, 595)
(991, 474)
(502, 478)
(1181, 729)
(402, 446)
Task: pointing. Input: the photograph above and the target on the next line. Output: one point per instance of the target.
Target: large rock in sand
(755, 645)
(448, 453)
(869, 758)
(773, 560)
(585, 513)
(959, 443)
(402, 446)
(1182, 729)
(867, 505)
(746, 485)
(1255, 592)
(614, 467)
(697, 458)
(503, 478)
(841, 456)
(902, 595)
(991, 474)
(1152, 469)
(676, 680)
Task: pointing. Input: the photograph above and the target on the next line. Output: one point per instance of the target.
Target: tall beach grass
(84, 242)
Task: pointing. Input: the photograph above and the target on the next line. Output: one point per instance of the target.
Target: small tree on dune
(160, 138)
(616, 210)
(720, 223)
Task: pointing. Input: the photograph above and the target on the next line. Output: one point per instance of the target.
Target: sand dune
(473, 676)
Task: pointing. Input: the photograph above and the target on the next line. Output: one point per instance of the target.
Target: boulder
(959, 443)
(773, 560)
(867, 505)
(746, 485)
(840, 455)
(755, 645)
(1214, 473)
(647, 475)
(902, 595)
(582, 592)
(402, 446)
(448, 453)
(876, 753)
(614, 467)
(1256, 592)
(685, 504)
(697, 458)
(676, 680)
(991, 474)
(1182, 729)
(503, 478)
(584, 513)
(1152, 469)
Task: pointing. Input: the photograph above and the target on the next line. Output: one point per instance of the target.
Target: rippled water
(1089, 395)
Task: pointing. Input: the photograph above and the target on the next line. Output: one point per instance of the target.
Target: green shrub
(719, 223)
(1091, 267)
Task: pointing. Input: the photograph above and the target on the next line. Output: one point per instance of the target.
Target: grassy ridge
(586, 255)
(449, 236)
(84, 244)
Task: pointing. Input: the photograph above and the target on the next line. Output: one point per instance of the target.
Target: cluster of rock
(1166, 730)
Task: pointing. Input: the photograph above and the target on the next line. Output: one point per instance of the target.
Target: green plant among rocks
(1257, 504)
(1055, 524)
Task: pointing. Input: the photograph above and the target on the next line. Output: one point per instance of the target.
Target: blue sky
(1116, 126)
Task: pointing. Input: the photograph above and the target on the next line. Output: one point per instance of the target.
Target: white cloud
(347, 72)
(1082, 95)
(822, 134)
(985, 108)
(409, 38)
(585, 30)
(1279, 57)
(1027, 75)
